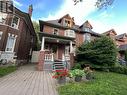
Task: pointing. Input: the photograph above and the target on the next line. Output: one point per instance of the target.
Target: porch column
(43, 43)
(71, 55)
(41, 56)
(71, 48)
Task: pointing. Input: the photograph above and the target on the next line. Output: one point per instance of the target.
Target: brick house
(120, 40)
(17, 35)
(59, 39)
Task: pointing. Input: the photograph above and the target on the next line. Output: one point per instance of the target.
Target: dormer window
(67, 23)
(55, 31)
(15, 22)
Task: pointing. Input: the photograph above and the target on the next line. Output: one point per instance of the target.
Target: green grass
(6, 70)
(103, 84)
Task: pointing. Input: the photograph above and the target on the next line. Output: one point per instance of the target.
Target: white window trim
(70, 33)
(57, 31)
(9, 35)
(17, 23)
(1, 33)
(85, 38)
(68, 24)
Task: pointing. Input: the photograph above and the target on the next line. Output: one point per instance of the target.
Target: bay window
(70, 33)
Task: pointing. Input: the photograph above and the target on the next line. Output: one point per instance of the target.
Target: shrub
(76, 72)
(101, 52)
(119, 69)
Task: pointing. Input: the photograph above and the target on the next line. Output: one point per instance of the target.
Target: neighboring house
(17, 36)
(120, 40)
(60, 38)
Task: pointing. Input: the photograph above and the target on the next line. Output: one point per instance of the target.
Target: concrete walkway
(27, 81)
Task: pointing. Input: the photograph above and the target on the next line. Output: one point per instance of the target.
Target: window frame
(17, 23)
(87, 37)
(55, 31)
(13, 46)
(70, 33)
(1, 33)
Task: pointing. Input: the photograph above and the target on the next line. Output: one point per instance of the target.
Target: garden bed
(103, 84)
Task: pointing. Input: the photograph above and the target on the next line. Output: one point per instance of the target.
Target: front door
(55, 51)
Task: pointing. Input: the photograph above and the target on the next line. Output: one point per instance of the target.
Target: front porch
(56, 51)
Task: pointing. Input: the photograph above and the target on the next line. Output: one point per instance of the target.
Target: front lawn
(103, 84)
(6, 70)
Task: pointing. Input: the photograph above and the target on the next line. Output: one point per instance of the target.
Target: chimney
(30, 10)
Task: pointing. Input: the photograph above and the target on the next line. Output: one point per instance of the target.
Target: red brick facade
(61, 40)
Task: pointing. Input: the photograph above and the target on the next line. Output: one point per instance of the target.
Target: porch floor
(27, 81)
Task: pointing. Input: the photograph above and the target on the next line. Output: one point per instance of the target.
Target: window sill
(9, 26)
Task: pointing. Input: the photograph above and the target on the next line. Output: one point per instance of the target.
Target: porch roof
(42, 34)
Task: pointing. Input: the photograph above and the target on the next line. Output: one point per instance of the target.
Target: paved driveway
(28, 81)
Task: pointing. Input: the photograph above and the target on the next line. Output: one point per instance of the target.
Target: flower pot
(78, 78)
(62, 80)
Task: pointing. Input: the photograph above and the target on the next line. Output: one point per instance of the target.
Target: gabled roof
(108, 32)
(65, 16)
(87, 24)
(27, 20)
(56, 23)
(121, 36)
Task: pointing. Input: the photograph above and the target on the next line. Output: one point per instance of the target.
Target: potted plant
(77, 73)
(89, 73)
(60, 75)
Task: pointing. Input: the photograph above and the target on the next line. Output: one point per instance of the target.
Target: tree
(99, 4)
(101, 52)
(37, 30)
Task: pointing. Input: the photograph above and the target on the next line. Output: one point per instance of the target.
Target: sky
(113, 17)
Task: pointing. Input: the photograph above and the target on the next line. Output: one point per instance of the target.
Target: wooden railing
(49, 57)
(65, 57)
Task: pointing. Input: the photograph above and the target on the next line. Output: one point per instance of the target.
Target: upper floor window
(1, 35)
(87, 37)
(15, 22)
(55, 31)
(87, 29)
(70, 33)
(67, 23)
(3, 18)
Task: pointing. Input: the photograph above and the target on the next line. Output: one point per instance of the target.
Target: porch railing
(49, 57)
(65, 57)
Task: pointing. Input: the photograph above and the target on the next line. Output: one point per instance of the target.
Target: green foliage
(6, 70)
(119, 69)
(101, 52)
(103, 84)
(37, 30)
(76, 72)
(125, 55)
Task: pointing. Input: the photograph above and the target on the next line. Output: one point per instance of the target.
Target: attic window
(67, 23)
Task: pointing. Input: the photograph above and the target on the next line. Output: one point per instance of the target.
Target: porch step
(59, 65)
